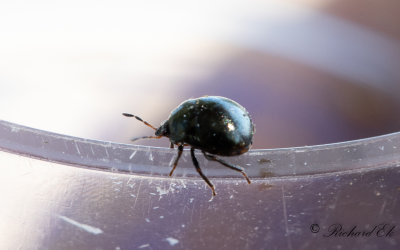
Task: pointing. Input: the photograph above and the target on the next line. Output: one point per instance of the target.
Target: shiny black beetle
(213, 124)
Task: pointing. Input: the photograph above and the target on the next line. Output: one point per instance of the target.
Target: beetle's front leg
(180, 150)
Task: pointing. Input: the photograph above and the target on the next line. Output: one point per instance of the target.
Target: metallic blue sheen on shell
(213, 124)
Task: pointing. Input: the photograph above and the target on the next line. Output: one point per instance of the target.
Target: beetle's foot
(247, 178)
(213, 191)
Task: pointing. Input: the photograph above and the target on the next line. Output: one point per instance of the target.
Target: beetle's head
(163, 130)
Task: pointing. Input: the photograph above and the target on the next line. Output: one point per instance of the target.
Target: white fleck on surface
(147, 220)
(163, 191)
(144, 245)
(191, 200)
(15, 129)
(183, 183)
(382, 148)
(161, 216)
(172, 241)
(87, 228)
(151, 157)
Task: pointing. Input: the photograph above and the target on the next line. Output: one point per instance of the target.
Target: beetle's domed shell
(214, 124)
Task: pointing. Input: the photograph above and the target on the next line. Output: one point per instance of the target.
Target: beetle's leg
(171, 145)
(227, 164)
(196, 164)
(180, 150)
(146, 137)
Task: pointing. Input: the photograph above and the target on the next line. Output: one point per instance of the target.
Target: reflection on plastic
(330, 196)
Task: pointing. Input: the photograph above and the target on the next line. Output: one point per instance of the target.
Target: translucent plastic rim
(357, 155)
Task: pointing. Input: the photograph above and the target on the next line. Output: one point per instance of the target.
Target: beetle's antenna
(139, 119)
(146, 137)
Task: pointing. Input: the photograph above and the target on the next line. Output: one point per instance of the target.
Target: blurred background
(309, 72)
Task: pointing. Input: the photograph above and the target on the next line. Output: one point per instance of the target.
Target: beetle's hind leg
(227, 164)
(197, 166)
(180, 150)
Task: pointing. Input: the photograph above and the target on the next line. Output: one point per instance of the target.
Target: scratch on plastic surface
(77, 148)
(117, 182)
(131, 185)
(117, 185)
(144, 245)
(192, 212)
(87, 228)
(132, 155)
(149, 206)
(382, 208)
(172, 160)
(137, 194)
(108, 156)
(184, 207)
(285, 217)
(91, 149)
(151, 156)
